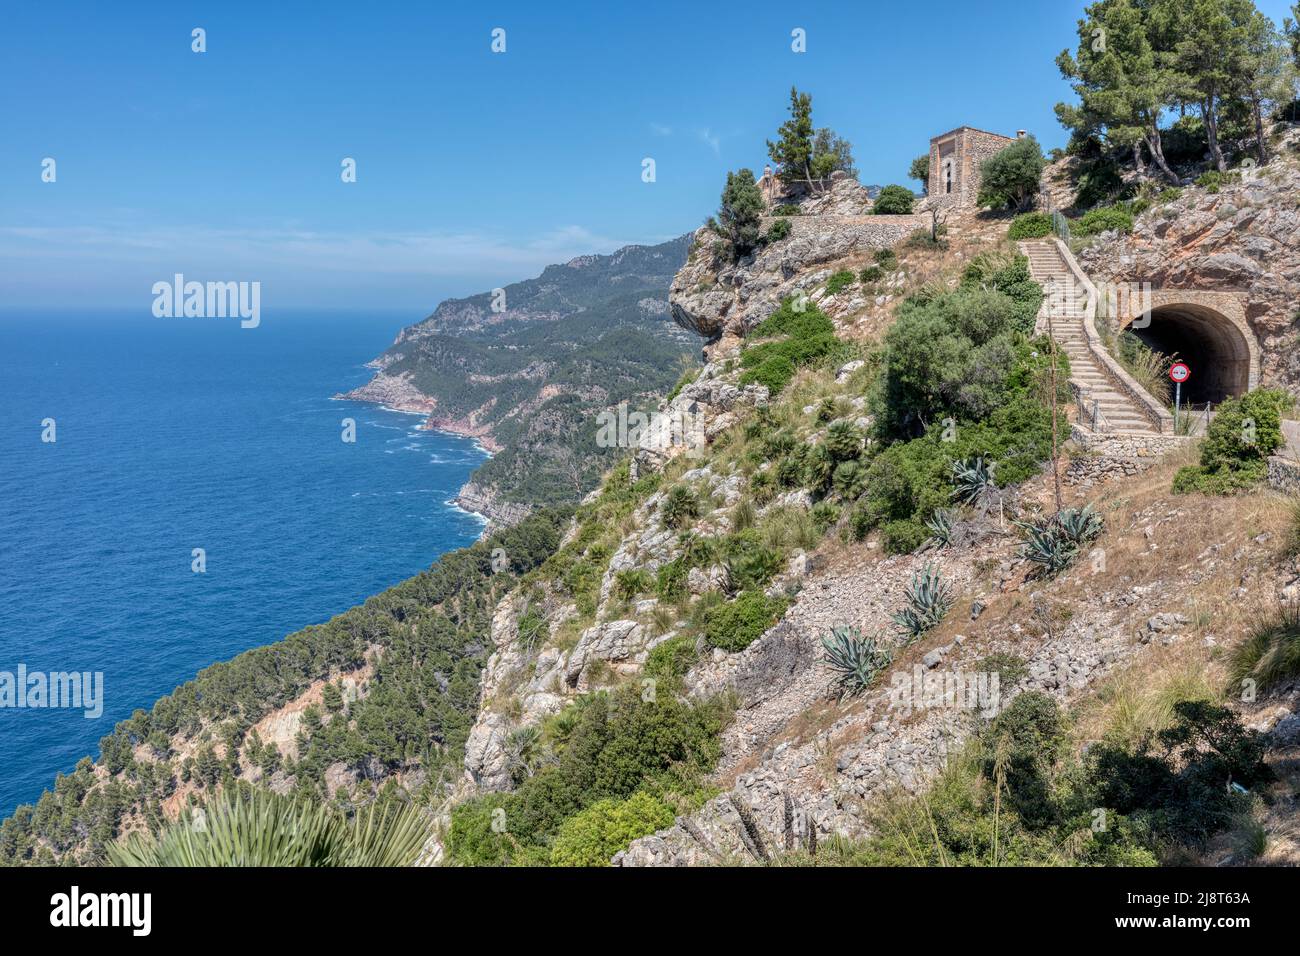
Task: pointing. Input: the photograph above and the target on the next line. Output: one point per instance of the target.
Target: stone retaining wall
(1124, 444)
(1088, 471)
(864, 232)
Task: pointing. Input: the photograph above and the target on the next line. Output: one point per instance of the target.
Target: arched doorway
(1209, 342)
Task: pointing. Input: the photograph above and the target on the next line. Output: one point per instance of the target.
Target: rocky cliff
(526, 369)
(1147, 611)
(1240, 237)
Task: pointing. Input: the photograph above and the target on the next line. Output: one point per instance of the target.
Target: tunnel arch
(1211, 337)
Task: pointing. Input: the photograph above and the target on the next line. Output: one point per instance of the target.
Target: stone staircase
(1105, 405)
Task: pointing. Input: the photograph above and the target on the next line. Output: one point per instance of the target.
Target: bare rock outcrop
(1244, 238)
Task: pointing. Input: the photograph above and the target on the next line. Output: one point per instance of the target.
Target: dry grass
(1138, 701)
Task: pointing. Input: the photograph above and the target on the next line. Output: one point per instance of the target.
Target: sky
(473, 168)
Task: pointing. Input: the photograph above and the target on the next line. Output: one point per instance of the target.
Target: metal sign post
(1179, 373)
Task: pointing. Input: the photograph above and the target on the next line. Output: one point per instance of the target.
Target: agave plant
(262, 828)
(855, 660)
(929, 598)
(940, 525)
(1054, 544)
(1080, 525)
(972, 480)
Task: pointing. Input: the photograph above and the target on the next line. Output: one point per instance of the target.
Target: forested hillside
(383, 694)
(527, 368)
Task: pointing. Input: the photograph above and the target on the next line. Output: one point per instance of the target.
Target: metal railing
(1089, 412)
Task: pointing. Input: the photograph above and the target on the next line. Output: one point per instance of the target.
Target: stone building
(955, 159)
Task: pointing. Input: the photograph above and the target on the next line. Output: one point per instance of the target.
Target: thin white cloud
(712, 140)
(383, 253)
(659, 129)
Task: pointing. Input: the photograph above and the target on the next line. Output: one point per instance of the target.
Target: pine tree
(793, 150)
(1122, 81)
(1208, 56)
(1267, 76)
(740, 217)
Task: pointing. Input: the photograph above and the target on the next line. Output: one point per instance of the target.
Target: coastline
(397, 394)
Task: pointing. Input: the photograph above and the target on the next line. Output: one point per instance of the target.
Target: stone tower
(955, 159)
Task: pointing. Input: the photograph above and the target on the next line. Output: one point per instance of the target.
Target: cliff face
(715, 297)
(526, 369)
(1244, 238)
(488, 503)
(631, 583)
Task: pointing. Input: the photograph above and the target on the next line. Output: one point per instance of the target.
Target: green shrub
(672, 659)
(592, 837)
(474, 836)
(1010, 668)
(680, 506)
(749, 562)
(670, 581)
(1011, 277)
(849, 479)
(894, 200)
(840, 281)
(735, 625)
(1103, 219)
(903, 537)
(871, 274)
(1213, 180)
(1099, 182)
(1025, 741)
(801, 339)
(956, 356)
(1234, 455)
(824, 515)
(632, 582)
(606, 746)
(887, 259)
(818, 467)
(779, 444)
(927, 240)
(1030, 225)
(787, 209)
(844, 441)
(1010, 178)
(779, 230)
(1179, 787)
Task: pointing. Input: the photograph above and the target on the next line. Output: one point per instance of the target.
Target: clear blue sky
(474, 169)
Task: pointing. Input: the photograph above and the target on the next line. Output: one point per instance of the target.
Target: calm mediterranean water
(177, 434)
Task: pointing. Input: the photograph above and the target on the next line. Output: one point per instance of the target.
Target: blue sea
(177, 434)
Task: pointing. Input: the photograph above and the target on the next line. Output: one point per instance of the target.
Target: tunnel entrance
(1208, 342)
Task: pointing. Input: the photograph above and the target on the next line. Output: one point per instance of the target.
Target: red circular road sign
(1179, 372)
